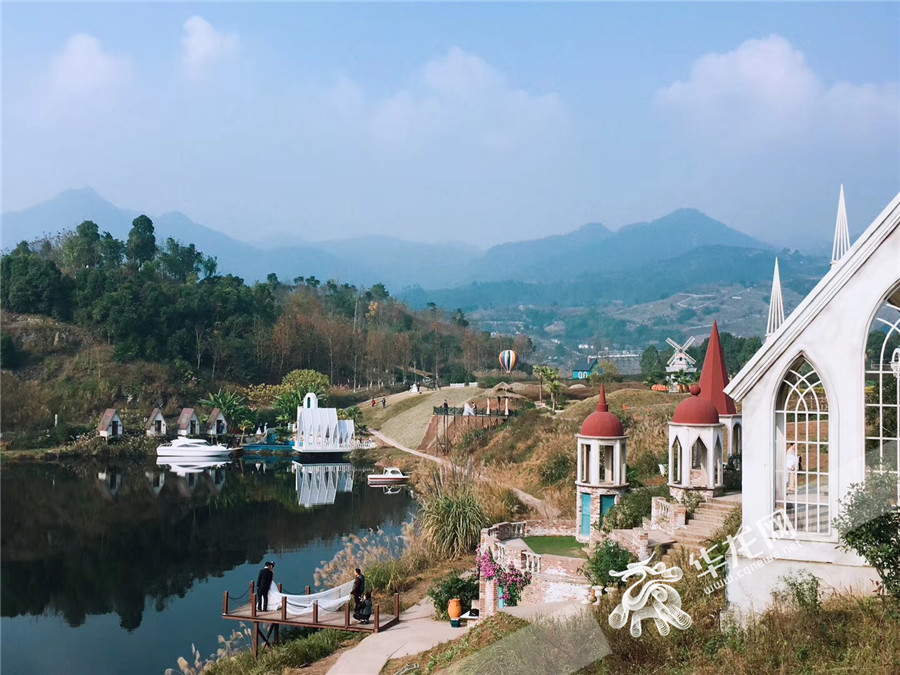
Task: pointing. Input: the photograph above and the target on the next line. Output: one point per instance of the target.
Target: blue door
(606, 503)
(585, 514)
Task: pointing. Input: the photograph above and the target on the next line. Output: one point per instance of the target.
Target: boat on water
(191, 447)
(390, 476)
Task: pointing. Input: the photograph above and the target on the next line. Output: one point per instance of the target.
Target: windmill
(681, 361)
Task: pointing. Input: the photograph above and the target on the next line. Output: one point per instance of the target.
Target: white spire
(841, 233)
(776, 304)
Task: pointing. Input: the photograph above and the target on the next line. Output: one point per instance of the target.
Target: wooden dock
(276, 618)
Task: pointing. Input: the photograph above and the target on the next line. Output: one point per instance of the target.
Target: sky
(470, 122)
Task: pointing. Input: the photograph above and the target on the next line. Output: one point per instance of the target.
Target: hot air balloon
(508, 360)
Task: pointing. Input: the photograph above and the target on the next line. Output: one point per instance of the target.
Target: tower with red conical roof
(713, 380)
(696, 461)
(600, 478)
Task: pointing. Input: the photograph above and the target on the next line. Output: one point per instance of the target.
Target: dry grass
(407, 419)
(626, 401)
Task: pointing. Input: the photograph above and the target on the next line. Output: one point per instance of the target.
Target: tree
(110, 250)
(81, 250)
(870, 525)
(307, 382)
(459, 318)
(608, 372)
(541, 373)
(651, 362)
(179, 262)
(141, 246)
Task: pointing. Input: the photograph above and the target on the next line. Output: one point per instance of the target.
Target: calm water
(120, 567)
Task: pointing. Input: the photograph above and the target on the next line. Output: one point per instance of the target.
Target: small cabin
(110, 425)
(583, 369)
(188, 423)
(216, 424)
(156, 424)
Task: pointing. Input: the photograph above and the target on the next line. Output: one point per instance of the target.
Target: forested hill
(166, 302)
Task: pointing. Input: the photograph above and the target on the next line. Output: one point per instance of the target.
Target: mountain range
(592, 250)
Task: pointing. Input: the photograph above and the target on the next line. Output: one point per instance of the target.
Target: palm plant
(233, 406)
(451, 514)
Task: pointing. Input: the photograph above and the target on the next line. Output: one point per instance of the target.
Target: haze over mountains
(590, 250)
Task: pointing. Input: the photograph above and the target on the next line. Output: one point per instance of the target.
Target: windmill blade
(690, 359)
(673, 344)
(689, 342)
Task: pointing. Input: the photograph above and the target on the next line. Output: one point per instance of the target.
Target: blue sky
(475, 122)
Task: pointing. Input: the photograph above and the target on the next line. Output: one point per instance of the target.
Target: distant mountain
(701, 267)
(602, 263)
(365, 260)
(594, 247)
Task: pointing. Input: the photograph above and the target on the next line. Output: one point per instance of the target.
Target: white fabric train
(329, 600)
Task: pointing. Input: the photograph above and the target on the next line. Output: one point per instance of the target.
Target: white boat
(390, 476)
(191, 447)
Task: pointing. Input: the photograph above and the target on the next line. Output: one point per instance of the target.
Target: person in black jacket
(359, 586)
(263, 584)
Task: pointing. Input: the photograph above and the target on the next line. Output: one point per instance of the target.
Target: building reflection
(319, 484)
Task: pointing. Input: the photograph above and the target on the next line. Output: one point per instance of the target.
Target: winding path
(539, 505)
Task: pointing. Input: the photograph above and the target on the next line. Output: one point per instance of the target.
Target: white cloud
(84, 72)
(764, 89)
(202, 46)
(462, 96)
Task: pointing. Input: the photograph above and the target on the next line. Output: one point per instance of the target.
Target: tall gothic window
(882, 389)
(802, 481)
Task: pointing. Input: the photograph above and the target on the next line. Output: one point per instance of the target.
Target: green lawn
(564, 546)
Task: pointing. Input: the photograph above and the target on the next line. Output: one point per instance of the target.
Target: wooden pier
(276, 618)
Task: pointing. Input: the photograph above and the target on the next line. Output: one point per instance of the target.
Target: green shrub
(632, 509)
(646, 465)
(9, 355)
(870, 525)
(607, 557)
(451, 515)
(691, 500)
(387, 577)
(800, 588)
(450, 587)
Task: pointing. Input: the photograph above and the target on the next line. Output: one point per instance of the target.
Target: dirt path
(539, 505)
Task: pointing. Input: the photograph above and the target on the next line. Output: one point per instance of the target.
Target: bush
(451, 514)
(607, 557)
(646, 465)
(801, 589)
(450, 587)
(387, 577)
(556, 467)
(870, 525)
(632, 509)
(9, 356)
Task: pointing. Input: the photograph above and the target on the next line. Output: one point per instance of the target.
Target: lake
(119, 566)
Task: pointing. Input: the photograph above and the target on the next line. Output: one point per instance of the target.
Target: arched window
(698, 455)
(802, 480)
(737, 440)
(675, 455)
(882, 389)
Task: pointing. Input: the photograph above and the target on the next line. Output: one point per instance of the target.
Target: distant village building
(626, 361)
(110, 425)
(600, 478)
(188, 423)
(583, 368)
(156, 424)
(216, 424)
(821, 412)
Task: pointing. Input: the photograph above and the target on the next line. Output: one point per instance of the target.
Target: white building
(188, 423)
(320, 430)
(110, 425)
(216, 424)
(156, 424)
(818, 399)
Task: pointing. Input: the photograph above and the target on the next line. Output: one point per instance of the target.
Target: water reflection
(83, 538)
(319, 484)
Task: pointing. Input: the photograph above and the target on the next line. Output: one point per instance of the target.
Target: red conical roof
(601, 423)
(715, 376)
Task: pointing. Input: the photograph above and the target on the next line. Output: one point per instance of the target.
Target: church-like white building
(820, 409)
